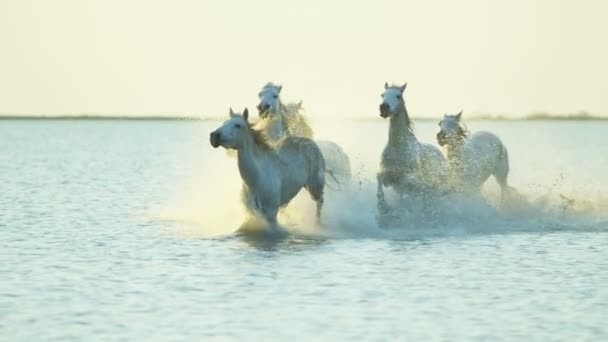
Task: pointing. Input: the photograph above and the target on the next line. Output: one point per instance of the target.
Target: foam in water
(209, 205)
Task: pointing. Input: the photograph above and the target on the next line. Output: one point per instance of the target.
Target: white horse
(473, 159)
(407, 165)
(272, 177)
(283, 120)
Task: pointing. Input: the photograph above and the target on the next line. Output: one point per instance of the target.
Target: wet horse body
(285, 120)
(407, 165)
(473, 159)
(271, 176)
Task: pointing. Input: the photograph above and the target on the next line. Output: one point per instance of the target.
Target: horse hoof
(383, 208)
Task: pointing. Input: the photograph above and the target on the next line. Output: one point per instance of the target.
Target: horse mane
(295, 121)
(408, 121)
(292, 108)
(259, 138)
(463, 130)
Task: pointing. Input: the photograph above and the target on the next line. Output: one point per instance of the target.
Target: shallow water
(124, 230)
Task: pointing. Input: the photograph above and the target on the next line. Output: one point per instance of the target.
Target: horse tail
(508, 192)
(332, 173)
(502, 166)
(316, 182)
(504, 158)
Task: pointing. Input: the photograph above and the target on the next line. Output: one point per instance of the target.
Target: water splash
(207, 203)
(205, 208)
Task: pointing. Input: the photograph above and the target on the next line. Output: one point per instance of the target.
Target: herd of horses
(277, 156)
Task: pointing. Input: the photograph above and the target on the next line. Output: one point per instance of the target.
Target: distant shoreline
(473, 117)
(103, 117)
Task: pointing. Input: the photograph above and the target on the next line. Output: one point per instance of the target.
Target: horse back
(431, 152)
(486, 145)
(302, 163)
(299, 127)
(484, 154)
(302, 152)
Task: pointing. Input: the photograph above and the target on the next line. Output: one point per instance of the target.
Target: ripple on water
(81, 256)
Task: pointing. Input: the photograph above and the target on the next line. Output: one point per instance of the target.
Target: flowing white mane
(259, 138)
(293, 108)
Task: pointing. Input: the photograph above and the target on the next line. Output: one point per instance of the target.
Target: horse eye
(237, 125)
(276, 96)
(398, 96)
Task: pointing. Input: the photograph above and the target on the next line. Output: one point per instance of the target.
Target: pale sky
(200, 57)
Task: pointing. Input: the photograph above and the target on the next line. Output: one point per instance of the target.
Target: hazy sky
(199, 57)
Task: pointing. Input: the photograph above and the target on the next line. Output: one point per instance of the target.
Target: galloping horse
(285, 120)
(473, 159)
(407, 165)
(272, 177)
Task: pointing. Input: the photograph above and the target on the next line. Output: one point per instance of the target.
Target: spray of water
(208, 204)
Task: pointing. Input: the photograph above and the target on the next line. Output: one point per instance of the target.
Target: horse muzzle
(214, 139)
(384, 111)
(263, 110)
(441, 139)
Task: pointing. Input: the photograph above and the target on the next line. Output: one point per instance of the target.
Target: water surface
(124, 230)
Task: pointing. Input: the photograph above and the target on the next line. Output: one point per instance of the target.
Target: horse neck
(399, 131)
(276, 128)
(456, 152)
(281, 118)
(250, 159)
(282, 110)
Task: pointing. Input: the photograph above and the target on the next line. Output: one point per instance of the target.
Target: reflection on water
(125, 230)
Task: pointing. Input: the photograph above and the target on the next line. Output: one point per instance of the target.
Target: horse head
(232, 134)
(269, 100)
(451, 130)
(392, 100)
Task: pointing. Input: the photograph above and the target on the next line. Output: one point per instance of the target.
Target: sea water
(114, 229)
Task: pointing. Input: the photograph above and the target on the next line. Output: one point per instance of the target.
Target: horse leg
(317, 196)
(412, 196)
(501, 172)
(270, 214)
(382, 206)
(315, 189)
(319, 208)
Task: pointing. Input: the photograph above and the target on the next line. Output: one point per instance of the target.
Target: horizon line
(538, 116)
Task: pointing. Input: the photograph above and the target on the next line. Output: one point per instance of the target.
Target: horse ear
(403, 87)
(246, 114)
(385, 85)
(300, 104)
(459, 115)
(279, 89)
(231, 112)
